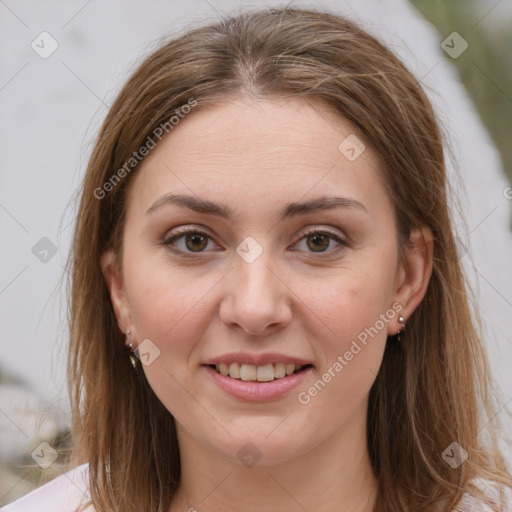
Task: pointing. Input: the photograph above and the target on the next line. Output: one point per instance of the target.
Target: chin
(262, 447)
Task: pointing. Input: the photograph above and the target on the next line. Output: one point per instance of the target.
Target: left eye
(195, 241)
(318, 241)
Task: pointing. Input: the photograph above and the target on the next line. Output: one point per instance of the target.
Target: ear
(115, 285)
(413, 275)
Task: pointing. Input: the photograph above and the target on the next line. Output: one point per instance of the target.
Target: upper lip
(256, 359)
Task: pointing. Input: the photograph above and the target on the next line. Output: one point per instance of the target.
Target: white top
(62, 494)
(70, 490)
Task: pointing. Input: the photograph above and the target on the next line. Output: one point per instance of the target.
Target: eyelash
(181, 232)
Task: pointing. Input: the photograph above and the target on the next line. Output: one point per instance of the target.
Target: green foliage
(485, 67)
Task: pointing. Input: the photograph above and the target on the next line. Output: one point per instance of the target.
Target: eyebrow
(221, 210)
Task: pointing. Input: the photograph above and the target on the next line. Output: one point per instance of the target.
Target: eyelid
(189, 228)
(321, 229)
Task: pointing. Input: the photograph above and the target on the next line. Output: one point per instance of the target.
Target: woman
(268, 312)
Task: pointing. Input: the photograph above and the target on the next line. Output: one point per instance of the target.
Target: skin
(255, 156)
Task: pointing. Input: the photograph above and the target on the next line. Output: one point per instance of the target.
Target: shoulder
(66, 493)
(500, 496)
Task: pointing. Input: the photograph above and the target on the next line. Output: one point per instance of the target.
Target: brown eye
(318, 242)
(188, 241)
(321, 241)
(195, 241)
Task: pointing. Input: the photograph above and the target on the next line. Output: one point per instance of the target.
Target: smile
(264, 373)
(248, 384)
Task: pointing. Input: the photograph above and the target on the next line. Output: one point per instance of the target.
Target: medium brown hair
(433, 388)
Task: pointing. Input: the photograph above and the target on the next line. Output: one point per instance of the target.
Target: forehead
(256, 153)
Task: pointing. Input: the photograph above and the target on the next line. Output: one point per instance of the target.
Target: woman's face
(291, 258)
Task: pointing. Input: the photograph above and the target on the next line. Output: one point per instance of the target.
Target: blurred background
(486, 70)
(61, 64)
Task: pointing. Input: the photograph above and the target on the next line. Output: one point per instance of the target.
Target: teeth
(265, 373)
(234, 370)
(279, 370)
(247, 372)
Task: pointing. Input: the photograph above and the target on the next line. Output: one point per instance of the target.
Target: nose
(255, 298)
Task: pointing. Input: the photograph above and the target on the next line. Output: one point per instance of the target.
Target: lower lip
(258, 391)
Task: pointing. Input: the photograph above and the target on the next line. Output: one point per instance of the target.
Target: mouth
(263, 373)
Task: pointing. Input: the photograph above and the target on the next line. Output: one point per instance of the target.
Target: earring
(133, 359)
(401, 319)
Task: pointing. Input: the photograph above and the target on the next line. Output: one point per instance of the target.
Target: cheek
(351, 352)
(166, 304)
(167, 309)
(353, 313)
(350, 302)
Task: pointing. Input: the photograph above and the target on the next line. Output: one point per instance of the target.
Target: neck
(336, 475)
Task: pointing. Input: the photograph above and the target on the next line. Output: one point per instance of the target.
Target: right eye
(188, 241)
